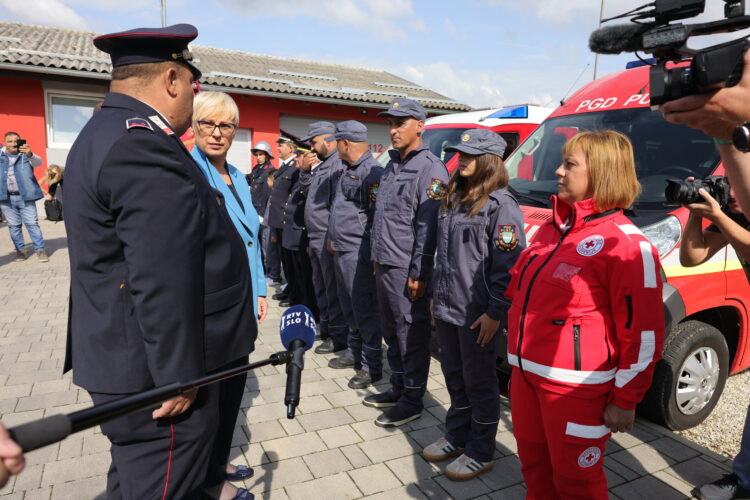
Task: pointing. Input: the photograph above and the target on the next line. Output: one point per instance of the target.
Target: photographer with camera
(728, 226)
(19, 191)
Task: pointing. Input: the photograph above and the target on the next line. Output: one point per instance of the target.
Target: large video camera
(719, 64)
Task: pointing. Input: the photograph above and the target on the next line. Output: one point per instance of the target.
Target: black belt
(14, 193)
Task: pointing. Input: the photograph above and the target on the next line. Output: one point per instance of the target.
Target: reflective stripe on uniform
(645, 357)
(563, 374)
(586, 431)
(649, 266)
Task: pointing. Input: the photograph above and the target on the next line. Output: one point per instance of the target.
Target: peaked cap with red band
(150, 45)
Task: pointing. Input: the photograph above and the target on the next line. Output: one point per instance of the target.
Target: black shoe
(381, 400)
(726, 488)
(280, 296)
(285, 303)
(393, 417)
(363, 379)
(328, 346)
(344, 362)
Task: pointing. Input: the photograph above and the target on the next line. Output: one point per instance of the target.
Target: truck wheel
(690, 378)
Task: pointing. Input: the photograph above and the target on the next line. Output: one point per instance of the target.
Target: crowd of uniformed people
(380, 255)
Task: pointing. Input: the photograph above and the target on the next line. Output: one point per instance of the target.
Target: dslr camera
(654, 31)
(686, 192)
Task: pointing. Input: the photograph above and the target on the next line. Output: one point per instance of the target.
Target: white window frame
(48, 95)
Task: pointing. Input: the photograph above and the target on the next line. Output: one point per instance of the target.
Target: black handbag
(53, 209)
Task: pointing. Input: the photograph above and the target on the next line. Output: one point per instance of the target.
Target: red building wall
(22, 111)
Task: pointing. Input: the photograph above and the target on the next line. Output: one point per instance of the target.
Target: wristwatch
(741, 137)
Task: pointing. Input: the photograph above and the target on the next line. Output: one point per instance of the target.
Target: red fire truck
(706, 306)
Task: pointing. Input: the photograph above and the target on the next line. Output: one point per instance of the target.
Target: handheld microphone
(618, 38)
(298, 335)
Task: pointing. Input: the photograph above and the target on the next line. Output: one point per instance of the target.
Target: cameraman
(717, 113)
(698, 245)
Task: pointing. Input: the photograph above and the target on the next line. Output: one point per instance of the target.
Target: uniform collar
(365, 156)
(581, 214)
(396, 154)
(118, 100)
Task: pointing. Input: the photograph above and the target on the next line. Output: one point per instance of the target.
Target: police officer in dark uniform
(160, 285)
(323, 177)
(294, 239)
(282, 186)
(260, 191)
(403, 249)
(349, 237)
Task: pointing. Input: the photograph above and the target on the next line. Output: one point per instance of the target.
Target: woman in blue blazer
(215, 120)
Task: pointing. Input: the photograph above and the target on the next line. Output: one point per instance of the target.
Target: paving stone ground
(331, 450)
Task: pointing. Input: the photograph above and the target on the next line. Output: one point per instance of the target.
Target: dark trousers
(230, 399)
(165, 458)
(406, 330)
(471, 379)
(272, 252)
(332, 323)
(359, 301)
(302, 292)
(287, 265)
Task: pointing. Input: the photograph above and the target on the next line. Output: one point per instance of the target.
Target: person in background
(479, 237)
(215, 120)
(403, 250)
(349, 230)
(586, 322)
(19, 191)
(283, 179)
(727, 226)
(322, 180)
(261, 191)
(294, 237)
(53, 178)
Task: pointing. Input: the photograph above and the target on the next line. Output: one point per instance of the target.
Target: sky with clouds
(485, 53)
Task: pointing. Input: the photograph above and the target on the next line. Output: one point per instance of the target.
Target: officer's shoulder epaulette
(138, 123)
(503, 195)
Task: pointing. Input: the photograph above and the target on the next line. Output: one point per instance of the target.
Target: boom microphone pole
(39, 433)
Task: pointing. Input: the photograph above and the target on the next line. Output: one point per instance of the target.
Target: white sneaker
(440, 450)
(464, 468)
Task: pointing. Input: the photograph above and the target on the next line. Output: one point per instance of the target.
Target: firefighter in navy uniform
(160, 285)
(260, 191)
(294, 239)
(403, 250)
(349, 237)
(480, 235)
(322, 183)
(283, 179)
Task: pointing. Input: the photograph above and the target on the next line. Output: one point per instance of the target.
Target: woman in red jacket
(586, 323)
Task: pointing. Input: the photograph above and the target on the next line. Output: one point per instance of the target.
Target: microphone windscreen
(618, 38)
(297, 323)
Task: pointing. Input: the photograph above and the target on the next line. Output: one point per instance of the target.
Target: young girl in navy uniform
(480, 235)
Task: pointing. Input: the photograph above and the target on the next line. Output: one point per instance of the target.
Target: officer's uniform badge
(374, 191)
(437, 189)
(394, 105)
(507, 240)
(138, 123)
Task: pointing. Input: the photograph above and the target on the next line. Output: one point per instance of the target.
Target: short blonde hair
(212, 104)
(609, 156)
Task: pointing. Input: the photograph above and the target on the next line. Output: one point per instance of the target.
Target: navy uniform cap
(479, 141)
(350, 130)
(402, 106)
(318, 128)
(283, 139)
(150, 45)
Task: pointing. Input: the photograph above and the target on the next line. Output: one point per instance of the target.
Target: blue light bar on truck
(517, 112)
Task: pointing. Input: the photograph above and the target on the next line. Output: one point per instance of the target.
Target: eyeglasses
(207, 127)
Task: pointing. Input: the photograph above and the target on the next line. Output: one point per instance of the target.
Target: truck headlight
(664, 235)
